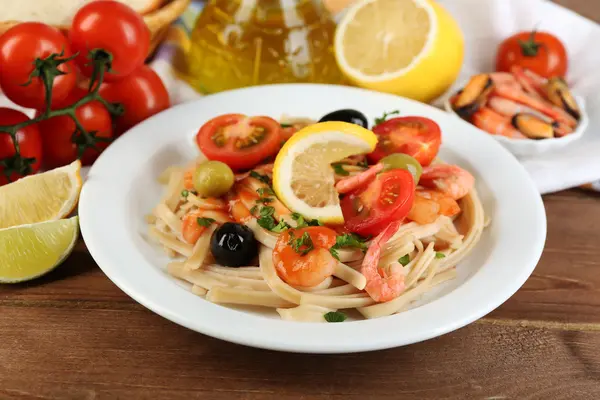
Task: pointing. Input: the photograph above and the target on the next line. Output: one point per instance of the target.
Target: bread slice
(59, 12)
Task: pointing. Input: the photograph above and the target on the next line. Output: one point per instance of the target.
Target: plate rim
(105, 263)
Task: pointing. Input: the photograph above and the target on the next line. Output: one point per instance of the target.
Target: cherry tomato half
(419, 137)
(387, 199)
(540, 52)
(142, 94)
(117, 29)
(20, 46)
(30, 143)
(307, 269)
(239, 141)
(57, 133)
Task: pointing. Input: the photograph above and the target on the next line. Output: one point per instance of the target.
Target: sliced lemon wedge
(29, 251)
(303, 178)
(412, 48)
(43, 197)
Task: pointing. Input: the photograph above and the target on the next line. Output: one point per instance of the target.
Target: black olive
(348, 115)
(233, 245)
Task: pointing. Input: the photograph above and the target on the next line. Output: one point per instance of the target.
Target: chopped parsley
(267, 211)
(205, 222)
(264, 200)
(286, 125)
(347, 240)
(280, 227)
(185, 193)
(302, 245)
(404, 260)
(253, 210)
(260, 177)
(335, 316)
(339, 169)
(303, 222)
(439, 255)
(364, 163)
(385, 115)
(266, 219)
(265, 191)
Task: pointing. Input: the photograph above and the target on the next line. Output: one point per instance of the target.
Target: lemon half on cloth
(43, 197)
(303, 178)
(29, 251)
(412, 48)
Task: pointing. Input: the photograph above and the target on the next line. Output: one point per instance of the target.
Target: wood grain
(74, 335)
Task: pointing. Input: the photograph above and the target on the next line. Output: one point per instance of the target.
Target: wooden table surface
(74, 335)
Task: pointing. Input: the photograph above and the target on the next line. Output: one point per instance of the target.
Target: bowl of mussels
(526, 113)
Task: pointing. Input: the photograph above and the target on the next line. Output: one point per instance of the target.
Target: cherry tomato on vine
(115, 28)
(142, 94)
(239, 141)
(29, 140)
(419, 137)
(540, 52)
(57, 133)
(20, 46)
(387, 199)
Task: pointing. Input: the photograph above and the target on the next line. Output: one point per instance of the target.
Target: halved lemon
(303, 178)
(29, 251)
(43, 197)
(412, 48)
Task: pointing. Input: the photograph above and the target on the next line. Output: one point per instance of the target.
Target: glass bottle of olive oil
(237, 43)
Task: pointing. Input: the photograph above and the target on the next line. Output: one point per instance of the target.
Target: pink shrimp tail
(382, 289)
(352, 183)
(450, 180)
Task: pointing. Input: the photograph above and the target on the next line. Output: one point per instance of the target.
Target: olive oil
(237, 43)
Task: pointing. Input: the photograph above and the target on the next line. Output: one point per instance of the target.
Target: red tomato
(418, 137)
(117, 29)
(387, 199)
(29, 140)
(57, 133)
(142, 93)
(540, 52)
(20, 46)
(308, 264)
(239, 141)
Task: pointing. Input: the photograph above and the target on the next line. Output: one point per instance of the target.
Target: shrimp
(511, 108)
(239, 212)
(382, 286)
(450, 180)
(428, 205)
(506, 79)
(530, 86)
(191, 230)
(490, 121)
(281, 211)
(550, 110)
(352, 183)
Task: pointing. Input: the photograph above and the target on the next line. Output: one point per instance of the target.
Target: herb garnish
(439, 255)
(253, 210)
(185, 193)
(335, 316)
(260, 177)
(264, 200)
(404, 260)
(347, 240)
(302, 245)
(266, 219)
(205, 222)
(339, 169)
(280, 227)
(385, 115)
(264, 191)
(302, 222)
(286, 125)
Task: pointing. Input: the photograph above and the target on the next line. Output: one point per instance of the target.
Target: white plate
(121, 189)
(531, 147)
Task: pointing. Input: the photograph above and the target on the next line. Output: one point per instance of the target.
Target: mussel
(473, 95)
(559, 94)
(532, 126)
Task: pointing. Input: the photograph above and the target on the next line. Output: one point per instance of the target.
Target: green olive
(403, 161)
(213, 179)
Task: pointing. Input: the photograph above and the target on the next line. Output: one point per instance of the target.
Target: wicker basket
(158, 21)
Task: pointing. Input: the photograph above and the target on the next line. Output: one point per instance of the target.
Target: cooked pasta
(416, 255)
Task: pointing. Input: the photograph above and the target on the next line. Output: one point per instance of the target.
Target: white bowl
(532, 147)
(121, 188)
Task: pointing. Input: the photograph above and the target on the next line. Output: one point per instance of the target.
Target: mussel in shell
(559, 94)
(532, 126)
(473, 95)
